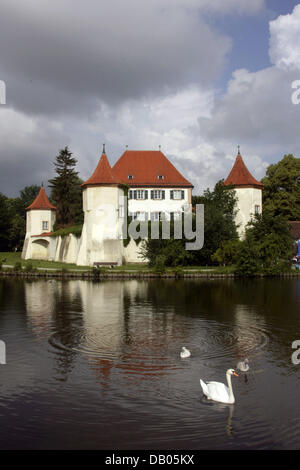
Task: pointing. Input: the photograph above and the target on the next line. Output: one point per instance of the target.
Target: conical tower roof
(41, 202)
(240, 176)
(103, 173)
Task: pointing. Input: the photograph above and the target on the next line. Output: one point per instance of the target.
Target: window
(155, 216)
(141, 216)
(160, 177)
(130, 177)
(256, 209)
(177, 194)
(138, 215)
(45, 225)
(157, 194)
(140, 194)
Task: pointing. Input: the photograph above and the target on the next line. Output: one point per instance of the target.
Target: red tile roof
(103, 173)
(44, 234)
(241, 176)
(145, 166)
(41, 202)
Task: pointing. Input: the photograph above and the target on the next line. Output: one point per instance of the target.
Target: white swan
(220, 392)
(185, 352)
(243, 365)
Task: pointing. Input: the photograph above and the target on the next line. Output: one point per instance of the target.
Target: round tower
(248, 191)
(100, 239)
(40, 219)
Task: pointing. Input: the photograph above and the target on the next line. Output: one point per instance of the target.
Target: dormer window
(130, 177)
(160, 177)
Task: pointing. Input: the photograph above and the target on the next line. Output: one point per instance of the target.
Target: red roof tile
(241, 176)
(41, 202)
(145, 166)
(103, 173)
(44, 234)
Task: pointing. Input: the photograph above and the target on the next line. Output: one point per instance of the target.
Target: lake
(96, 365)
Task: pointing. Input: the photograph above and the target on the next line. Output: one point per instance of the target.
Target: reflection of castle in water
(111, 323)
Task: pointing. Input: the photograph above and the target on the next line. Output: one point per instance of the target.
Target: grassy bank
(38, 267)
(10, 259)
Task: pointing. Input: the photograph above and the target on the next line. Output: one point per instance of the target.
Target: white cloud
(128, 73)
(285, 40)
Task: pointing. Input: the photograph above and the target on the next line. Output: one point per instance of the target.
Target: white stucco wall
(66, 248)
(101, 235)
(35, 219)
(101, 238)
(248, 198)
(131, 252)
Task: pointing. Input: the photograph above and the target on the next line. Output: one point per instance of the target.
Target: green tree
(227, 253)
(219, 226)
(17, 216)
(172, 251)
(5, 223)
(65, 190)
(281, 194)
(219, 220)
(27, 196)
(267, 246)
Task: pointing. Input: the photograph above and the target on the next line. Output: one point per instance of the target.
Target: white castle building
(154, 187)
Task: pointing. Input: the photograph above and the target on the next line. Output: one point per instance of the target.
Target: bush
(97, 270)
(160, 264)
(64, 231)
(28, 267)
(228, 253)
(179, 273)
(18, 266)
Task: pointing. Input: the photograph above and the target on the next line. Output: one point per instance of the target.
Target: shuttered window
(177, 194)
(157, 194)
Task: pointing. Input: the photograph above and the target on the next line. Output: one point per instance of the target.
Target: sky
(196, 77)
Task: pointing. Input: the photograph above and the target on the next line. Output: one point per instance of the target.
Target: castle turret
(40, 219)
(100, 239)
(248, 191)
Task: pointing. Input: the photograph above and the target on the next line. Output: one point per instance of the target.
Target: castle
(154, 188)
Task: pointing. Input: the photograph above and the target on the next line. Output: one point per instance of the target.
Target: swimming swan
(220, 392)
(243, 365)
(185, 352)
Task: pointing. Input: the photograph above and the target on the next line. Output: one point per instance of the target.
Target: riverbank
(96, 275)
(14, 266)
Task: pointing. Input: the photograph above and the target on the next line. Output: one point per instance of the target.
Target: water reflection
(140, 326)
(104, 357)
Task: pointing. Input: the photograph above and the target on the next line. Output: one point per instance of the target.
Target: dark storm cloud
(27, 152)
(66, 56)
